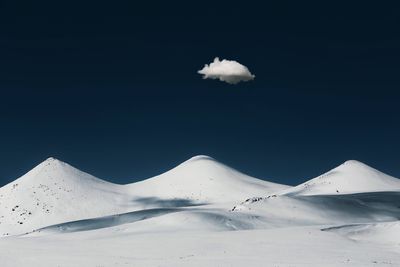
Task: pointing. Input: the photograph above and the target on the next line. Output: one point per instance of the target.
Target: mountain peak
(57, 170)
(356, 167)
(51, 159)
(353, 162)
(52, 163)
(350, 177)
(199, 157)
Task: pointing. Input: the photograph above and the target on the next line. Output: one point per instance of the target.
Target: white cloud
(229, 71)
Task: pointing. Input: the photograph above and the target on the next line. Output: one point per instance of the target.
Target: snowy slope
(384, 233)
(211, 210)
(280, 247)
(323, 210)
(201, 213)
(55, 192)
(350, 177)
(203, 179)
(351, 193)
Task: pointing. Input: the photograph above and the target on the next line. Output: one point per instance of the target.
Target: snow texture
(201, 213)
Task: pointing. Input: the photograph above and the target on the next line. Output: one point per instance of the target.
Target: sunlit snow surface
(201, 213)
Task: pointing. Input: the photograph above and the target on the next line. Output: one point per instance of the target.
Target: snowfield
(201, 213)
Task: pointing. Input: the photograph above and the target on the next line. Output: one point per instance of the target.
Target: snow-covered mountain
(203, 179)
(57, 215)
(55, 192)
(350, 177)
(351, 193)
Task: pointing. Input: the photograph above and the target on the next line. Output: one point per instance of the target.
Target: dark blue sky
(112, 88)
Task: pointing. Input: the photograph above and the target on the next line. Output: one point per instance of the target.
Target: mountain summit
(350, 177)
(54, 170)
(204, 179)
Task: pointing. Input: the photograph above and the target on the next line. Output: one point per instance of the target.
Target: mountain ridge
(54, 192)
